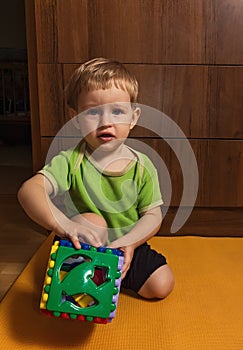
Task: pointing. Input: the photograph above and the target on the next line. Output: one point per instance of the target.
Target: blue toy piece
(82, 284)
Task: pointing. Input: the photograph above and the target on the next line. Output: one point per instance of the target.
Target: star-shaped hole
(100, 275)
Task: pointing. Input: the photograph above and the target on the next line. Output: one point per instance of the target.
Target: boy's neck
(115, 160)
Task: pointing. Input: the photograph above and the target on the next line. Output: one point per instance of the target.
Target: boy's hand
(128, 255)
(77, 233)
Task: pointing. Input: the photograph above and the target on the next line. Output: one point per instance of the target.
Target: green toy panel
(69, 285)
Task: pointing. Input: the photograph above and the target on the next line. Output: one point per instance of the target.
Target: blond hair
(100, 73)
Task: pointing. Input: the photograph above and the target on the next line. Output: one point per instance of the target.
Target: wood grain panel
(33, 82)
(188, 58)
(149, 31)
(51, 99)
(45, 144)
(68, 70)
(225, 102)
(204, 101)
(178, 91)
(72, 22)
(168, 32)
(220, 164)
(220, 167)
(46, 31)
(228, 31)
(214, 222)
(221, 172)
(51, 146)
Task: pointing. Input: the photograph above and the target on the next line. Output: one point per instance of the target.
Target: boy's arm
(146, 227)
(34, 198)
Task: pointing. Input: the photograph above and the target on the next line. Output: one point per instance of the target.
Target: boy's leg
(149, 275)
(95, 222)
(159, 285)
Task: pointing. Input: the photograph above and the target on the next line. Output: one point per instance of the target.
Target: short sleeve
(149, 192)
(58, 173)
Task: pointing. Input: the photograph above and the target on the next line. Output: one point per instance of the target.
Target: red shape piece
(98, 278)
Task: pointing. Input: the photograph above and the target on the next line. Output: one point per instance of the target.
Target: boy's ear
(72, 113)
(72, 116)
(135, 117)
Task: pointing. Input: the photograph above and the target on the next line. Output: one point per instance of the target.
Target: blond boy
(114, 188)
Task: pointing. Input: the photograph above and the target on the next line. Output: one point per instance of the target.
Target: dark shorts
(145, 261)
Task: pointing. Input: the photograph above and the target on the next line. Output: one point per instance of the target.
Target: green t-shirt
(119, 198)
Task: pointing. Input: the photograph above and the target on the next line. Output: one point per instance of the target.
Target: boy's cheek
(87, 126)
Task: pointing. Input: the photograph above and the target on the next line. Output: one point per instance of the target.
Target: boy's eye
(117, 111)
(93, 111)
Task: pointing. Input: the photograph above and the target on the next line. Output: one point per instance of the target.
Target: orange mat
(205, 310)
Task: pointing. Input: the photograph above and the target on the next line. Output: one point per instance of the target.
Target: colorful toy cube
(82, 284)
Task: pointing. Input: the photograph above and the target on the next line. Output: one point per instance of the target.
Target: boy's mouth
(106, 136)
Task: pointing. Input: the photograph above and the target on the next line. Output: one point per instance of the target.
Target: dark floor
(19, 236)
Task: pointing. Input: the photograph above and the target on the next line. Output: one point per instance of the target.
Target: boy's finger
(92, 240)
(76, 242)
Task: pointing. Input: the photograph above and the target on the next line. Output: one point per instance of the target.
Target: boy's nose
(106, 119)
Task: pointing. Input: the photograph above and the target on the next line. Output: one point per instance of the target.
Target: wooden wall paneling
(204, 101)
(155, 31)
(221, 169)
(178, 91)
(33, 83)
(126, 25)
(225, 102)
(72, 23)
(220, 166)
(228, 31)
(171, 152)
(184, 32)
(51, 146)
(149, 31)
(46, 31)
(216, 222)
(68, 70)
(45, 144)
(184, 96)
(51, 101)
(175, 49)
(150, 80)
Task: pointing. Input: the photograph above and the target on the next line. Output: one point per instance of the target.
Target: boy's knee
(100, 225)
(95, 219)
(165, 286)
(159, 285)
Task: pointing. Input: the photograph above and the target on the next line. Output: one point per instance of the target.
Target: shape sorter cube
(82, 284)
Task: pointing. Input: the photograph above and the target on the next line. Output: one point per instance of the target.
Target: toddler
(111, 191)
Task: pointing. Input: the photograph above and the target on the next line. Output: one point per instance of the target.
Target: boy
(113, 188)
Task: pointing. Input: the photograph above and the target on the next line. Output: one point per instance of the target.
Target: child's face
(106, 117)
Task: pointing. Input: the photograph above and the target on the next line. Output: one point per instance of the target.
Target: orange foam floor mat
(205, 310)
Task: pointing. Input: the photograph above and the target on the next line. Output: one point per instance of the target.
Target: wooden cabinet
(188, 59)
